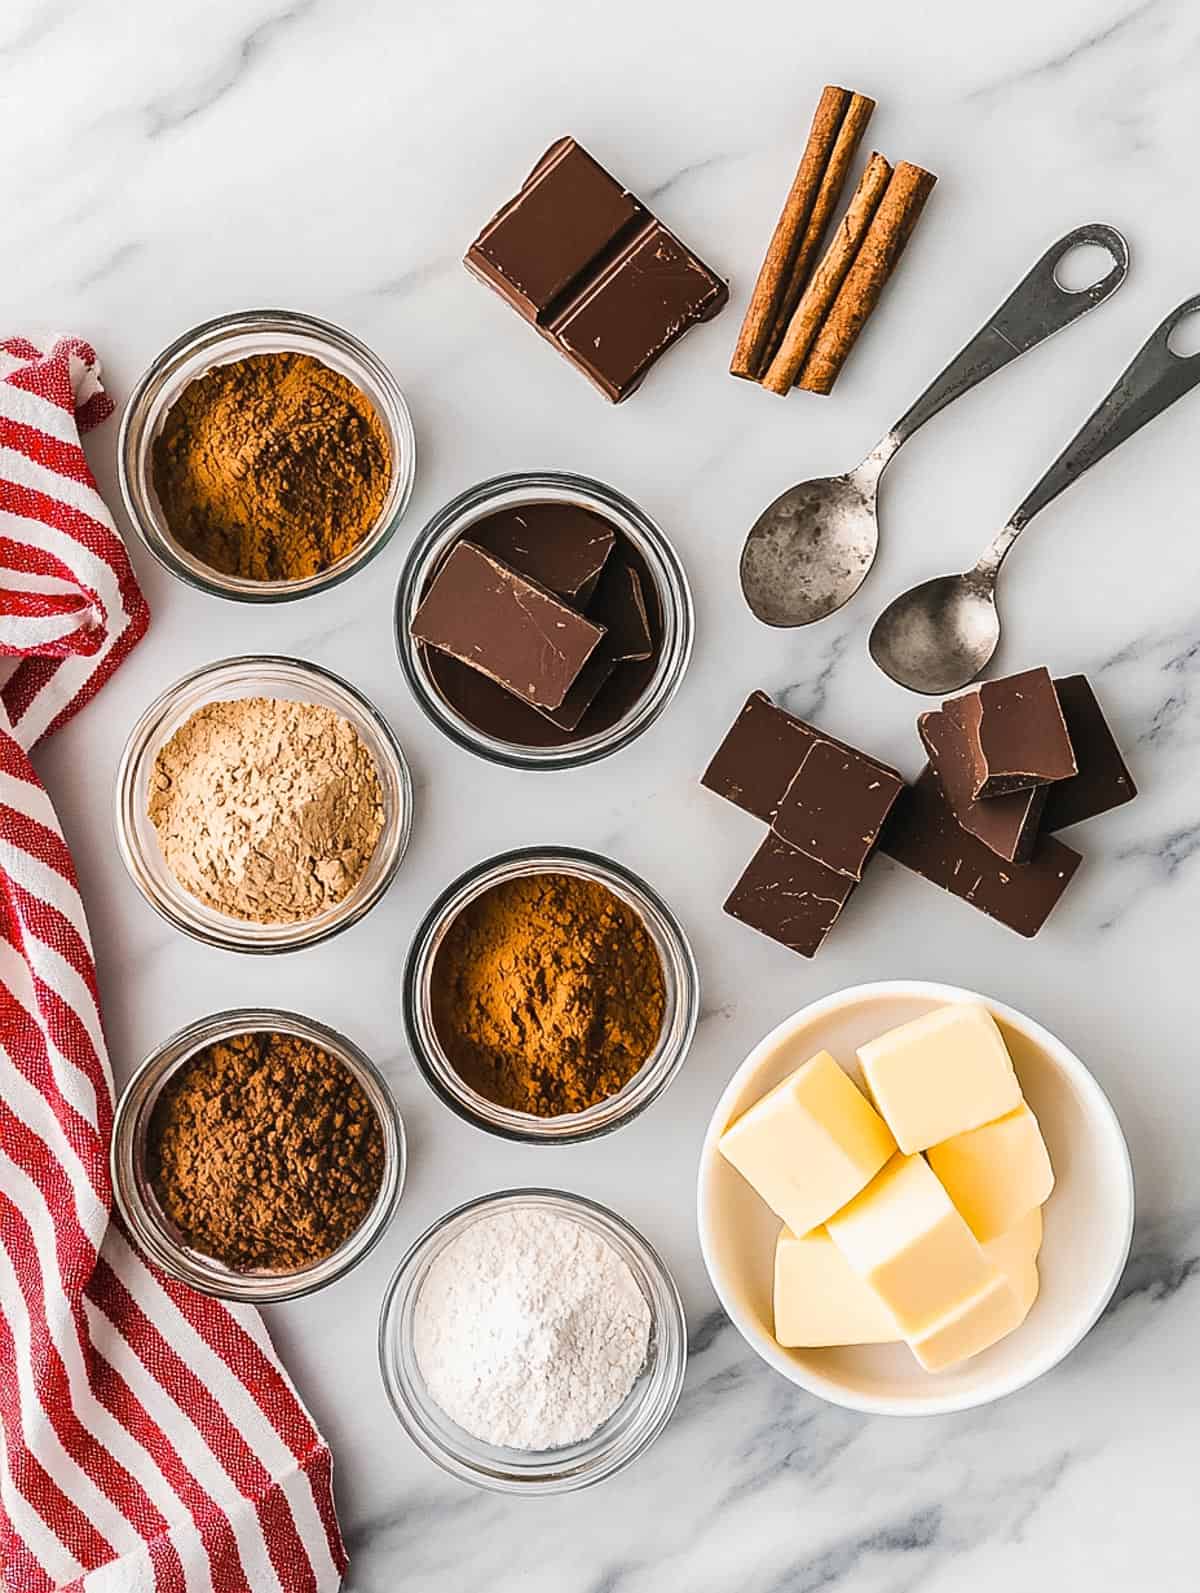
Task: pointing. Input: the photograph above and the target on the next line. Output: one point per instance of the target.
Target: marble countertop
(164, 164)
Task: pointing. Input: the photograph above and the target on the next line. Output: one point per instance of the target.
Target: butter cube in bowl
(948, 1275)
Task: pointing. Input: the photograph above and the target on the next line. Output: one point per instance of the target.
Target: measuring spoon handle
(1036, 308)
(1152, 383)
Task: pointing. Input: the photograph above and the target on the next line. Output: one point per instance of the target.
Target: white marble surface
(165, 163)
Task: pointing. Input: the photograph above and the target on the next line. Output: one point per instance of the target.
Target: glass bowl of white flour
(532, 1341)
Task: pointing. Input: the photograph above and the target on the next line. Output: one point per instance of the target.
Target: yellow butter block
(809, 1145)
(820, 1301)
(1016, 1253)
(997, 1173)
(903, 1237)
(972, 1326)
(940, 1075)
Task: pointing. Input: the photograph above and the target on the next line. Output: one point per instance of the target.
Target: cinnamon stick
(775, 278)
(854, 125)
(823, 286)
(889, 231)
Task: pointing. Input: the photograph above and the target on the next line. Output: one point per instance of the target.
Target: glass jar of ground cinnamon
(582, 989)
(266, 455)
(257, 1155)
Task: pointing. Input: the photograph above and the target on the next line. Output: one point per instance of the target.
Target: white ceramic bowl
(1088, 1218)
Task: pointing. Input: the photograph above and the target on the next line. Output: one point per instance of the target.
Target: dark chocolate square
(923, 834)
(561, 546)
(758, 759)
(789, 896)
(1103, 782)
(835, 807)
(1017, 733)
(1006, 824)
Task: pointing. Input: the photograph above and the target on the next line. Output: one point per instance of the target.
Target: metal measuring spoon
(811, 550)
(940, 635)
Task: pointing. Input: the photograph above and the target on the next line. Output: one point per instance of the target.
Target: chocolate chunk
(584, 690)
(761, 752)
(561, 546)
(1008, 825)
(602, 279)
(518, 634)
(619, 605)
(567, 214)
(789, 896)
(835, 807)
(1103, 781)
(923, 834)
(635, 309)
(1017, 733)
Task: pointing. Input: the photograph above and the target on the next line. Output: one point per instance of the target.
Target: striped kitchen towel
(149, 1438)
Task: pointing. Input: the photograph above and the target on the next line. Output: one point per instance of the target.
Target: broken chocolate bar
(619, 605)
(761, 752)
(1006, 824)
(576, 255)
(561, 546)
(1103, 781)
(835, 807)
(923, 834)
(518, 634)
(789, 896)
(1017, 734)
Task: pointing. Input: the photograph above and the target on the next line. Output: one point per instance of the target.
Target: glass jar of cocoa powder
(133, 1189)
(681, 1008)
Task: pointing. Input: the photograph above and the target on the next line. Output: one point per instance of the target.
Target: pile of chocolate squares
(1010, 762)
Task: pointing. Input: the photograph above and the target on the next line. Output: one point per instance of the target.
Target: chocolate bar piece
(561, 546)
(518, 634)
(1103, 781)
(1017, 733)
(789, 896)
(835, 807)
(619, 605)
(923, 834)
(576, 255)
(1006, 824)
(761, 752)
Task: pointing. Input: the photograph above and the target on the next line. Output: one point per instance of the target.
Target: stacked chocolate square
(1010, 763)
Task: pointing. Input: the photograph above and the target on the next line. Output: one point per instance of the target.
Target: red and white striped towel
(149, 1438)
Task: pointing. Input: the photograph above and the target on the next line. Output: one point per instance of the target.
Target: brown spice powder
(264, 1152)
(547, 994)
(272, 468)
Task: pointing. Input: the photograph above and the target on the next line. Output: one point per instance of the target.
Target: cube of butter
(810, 1144)
(820, 1301)
(1016, 1253)
(975, 1325)
(903, 1237)
(940, 1075)
(997, 1173)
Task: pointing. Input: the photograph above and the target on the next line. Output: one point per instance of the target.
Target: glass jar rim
(554, 1471)
(232, 934)
(674, 592)
(145, 409)
(147, 1223)
(681, 975)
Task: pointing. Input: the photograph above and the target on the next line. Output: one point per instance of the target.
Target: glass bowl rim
(237, 937)
(674, 591)
(680, 969)
(137, 1099)
(668, 1330)
(141, 412)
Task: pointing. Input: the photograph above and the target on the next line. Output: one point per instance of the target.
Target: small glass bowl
(670, 581)
(139, 1207)
(627, 1433)
(219, 342)
(681, 979)
(256, 676)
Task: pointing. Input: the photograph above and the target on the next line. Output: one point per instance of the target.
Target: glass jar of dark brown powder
(550, 996)
(257, 1155)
